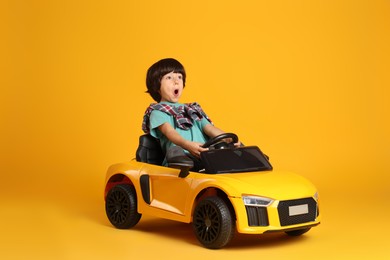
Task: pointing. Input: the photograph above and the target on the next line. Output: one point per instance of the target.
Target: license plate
(298, 210)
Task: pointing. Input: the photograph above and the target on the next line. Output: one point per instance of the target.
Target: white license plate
(298, 210)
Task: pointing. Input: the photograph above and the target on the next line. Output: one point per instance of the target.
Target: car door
(166, 190)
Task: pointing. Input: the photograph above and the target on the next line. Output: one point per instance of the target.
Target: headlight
(256, 201)
(316, 196)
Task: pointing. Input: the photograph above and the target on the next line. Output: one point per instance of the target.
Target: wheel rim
(207, 222)
(118, 206)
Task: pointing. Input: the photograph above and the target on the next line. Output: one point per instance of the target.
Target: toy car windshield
(241, 159)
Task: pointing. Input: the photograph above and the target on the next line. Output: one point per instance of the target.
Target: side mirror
(176, 158)
(184, 171)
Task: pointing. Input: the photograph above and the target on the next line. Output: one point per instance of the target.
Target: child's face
(171, 87)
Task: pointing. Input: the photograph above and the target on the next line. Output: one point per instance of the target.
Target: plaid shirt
(184, 115)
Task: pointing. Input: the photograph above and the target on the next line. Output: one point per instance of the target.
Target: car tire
(121, 206)
(213, 223)
(297, 232)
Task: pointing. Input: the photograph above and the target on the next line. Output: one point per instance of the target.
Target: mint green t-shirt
(195, 133)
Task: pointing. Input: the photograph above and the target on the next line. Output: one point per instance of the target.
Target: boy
(173, 123)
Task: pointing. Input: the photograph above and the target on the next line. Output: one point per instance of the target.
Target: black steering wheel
(216, 143)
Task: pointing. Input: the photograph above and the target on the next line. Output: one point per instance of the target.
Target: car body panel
(168, 191)
(166, 195)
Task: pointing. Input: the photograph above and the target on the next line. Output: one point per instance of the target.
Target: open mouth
(176, 91)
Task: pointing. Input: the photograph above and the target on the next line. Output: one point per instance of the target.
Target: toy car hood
(273, 184)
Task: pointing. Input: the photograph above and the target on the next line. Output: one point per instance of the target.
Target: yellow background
(307, 81)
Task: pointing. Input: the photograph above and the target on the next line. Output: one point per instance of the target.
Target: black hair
(157, 71)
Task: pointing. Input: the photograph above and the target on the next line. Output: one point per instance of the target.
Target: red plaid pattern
(184, 115)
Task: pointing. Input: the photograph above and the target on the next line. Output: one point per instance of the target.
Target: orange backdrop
(307, 81)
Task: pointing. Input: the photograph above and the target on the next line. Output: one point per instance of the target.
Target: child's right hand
(194, 148)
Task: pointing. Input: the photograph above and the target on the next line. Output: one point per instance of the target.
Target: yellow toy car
(237, 190)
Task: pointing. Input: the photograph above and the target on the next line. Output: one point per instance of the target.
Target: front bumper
(279, 216)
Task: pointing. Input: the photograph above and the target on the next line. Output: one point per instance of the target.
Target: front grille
(257, 216)
(287, 218)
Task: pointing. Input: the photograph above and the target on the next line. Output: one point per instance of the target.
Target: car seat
(149, 150)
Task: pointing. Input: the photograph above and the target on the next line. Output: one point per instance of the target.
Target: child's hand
(194, 148)
(229, 140)
(238, 144)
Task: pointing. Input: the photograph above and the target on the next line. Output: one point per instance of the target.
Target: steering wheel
(216, 143)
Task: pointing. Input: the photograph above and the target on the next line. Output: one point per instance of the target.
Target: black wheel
(213, 223)
(121, 206)
(297, 232)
